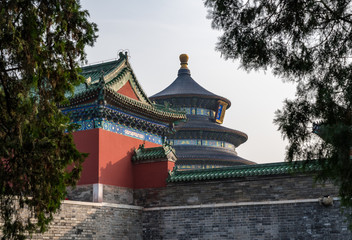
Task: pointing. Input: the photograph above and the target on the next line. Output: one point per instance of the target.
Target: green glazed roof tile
(95, 71)
(102, 78)
(142, 153)
(242, 171)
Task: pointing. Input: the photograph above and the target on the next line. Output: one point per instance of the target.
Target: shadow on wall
(117, 170)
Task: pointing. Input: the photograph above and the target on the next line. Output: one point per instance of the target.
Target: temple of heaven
(200, 141)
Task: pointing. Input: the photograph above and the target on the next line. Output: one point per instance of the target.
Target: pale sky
(156, 32)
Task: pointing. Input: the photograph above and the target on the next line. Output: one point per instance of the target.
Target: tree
(308, 42)
(41, 46)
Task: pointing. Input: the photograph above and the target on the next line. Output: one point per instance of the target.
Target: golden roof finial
(184, 60)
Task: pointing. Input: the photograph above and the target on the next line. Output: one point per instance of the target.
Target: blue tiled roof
(184, 85)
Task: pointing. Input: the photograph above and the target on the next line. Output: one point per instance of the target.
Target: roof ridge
(107, 61)
(101, 64)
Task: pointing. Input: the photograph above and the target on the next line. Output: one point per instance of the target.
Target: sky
(156, 32)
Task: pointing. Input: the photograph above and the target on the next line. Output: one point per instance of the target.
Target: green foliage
(41, 46)
(308, 42)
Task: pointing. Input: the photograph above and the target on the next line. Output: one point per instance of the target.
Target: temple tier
(200, 141)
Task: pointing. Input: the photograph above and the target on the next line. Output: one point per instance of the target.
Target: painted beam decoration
(119, 129)
(221, 112)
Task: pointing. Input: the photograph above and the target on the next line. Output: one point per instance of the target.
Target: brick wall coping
(237, 204)
(213, 205)
(103, 204)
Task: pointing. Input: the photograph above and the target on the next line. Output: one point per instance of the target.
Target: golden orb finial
(184, 60)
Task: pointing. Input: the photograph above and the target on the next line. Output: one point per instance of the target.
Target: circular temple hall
(200, 141)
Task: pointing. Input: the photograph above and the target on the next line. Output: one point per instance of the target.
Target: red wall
(127, 90)
(109, 160)
(151, 175)
(116, 150)
(88, 142)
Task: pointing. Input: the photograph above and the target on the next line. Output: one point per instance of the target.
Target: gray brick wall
(77, 221)
(254, 219)
(113, 194)
(246, 189)
(241, 208)
(277, 221)
(80, 193)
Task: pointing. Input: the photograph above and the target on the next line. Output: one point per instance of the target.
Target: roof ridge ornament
(101, 85)
(184, 61)
(124, 53)
(101, 78)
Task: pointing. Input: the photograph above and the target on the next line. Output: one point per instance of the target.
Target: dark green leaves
(41, 46)
(308, 42)
(265, 33)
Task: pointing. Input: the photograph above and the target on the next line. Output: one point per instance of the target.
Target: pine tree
(41, 46)
(310, 43)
